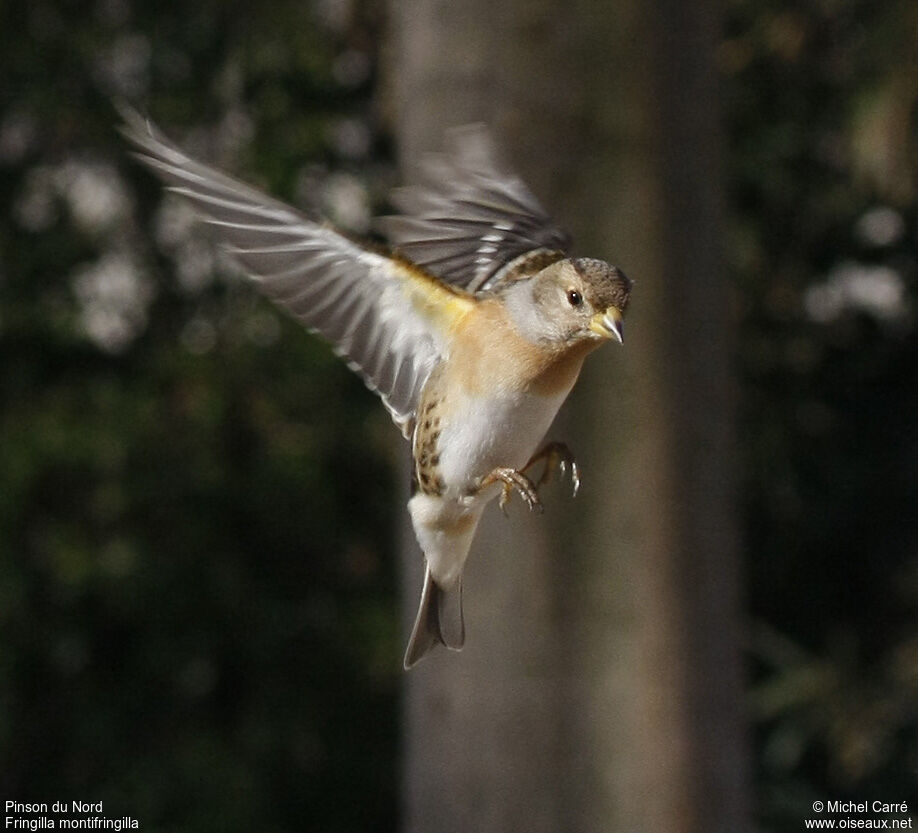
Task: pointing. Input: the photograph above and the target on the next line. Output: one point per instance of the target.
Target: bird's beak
(608, 324)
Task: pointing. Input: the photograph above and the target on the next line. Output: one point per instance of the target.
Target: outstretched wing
(388, 318)
(467, 220)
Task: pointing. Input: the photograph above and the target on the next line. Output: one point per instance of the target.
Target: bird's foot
(556, 455)
(511, 480)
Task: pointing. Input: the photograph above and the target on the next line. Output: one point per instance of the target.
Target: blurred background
(201, 508)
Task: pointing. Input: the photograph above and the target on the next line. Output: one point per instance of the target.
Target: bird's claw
(513, 480)
(558, 455)
(562, 467)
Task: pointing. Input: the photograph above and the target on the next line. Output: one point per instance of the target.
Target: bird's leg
(512, 479)
(556, 454)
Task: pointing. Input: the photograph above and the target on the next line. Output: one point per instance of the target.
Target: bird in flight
(472, 329)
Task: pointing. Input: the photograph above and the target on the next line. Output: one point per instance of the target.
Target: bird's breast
(489, 404)
(488, 354)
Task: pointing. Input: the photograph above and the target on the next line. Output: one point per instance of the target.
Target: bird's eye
(574, 298)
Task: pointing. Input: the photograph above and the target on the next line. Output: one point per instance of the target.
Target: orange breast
(488, 354)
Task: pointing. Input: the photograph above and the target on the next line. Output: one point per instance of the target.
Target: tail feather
(439, 621)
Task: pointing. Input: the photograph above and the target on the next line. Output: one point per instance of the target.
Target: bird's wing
(388, 318)
(467, 221)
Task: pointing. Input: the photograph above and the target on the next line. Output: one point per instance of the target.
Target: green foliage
(197, 592)
(825, 256)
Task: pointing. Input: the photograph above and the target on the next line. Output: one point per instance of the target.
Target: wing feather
(467, 220)
(387, 318)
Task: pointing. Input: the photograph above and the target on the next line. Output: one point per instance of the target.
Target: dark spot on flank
(426, 425)
(435, 460)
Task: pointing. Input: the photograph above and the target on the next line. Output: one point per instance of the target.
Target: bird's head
(570, 300)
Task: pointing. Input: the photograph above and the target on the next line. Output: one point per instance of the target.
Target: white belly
(503, 431)
(477, 438)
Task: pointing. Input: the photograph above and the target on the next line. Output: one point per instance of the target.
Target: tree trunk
(600, 688)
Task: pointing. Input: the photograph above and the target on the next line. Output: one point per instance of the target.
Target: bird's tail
(439, 621)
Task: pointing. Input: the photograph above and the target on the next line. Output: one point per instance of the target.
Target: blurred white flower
(351, 138)
(308, 186)
(113, 298)
(174, 222)
(179, 234)
(124, 68)
(234, 132)
(880, 226)
(346, 202)
(875, 290)
(94, 192)
(194, 264)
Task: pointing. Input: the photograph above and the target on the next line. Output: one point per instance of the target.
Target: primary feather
(388, 318)
(467, 220)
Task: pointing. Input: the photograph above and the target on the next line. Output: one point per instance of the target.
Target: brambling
(472, 329)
